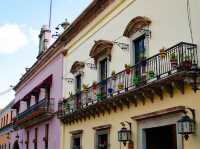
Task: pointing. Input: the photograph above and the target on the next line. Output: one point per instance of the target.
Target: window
(35, 140)
(27, 139)
(28, 104)
(46, 136)
(6, 119)
(103, 69)
(103, 76)
(139, 49)
(76, 141)
(78, 82)
(102, 139)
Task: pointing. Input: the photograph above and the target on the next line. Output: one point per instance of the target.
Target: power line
(50, 13)
(6, 91)
(190, 20)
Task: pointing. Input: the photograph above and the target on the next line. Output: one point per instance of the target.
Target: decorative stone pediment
(77, 66)
(101, 48)
(136, 24)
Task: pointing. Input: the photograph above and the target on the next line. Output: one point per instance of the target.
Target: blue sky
(20, 22)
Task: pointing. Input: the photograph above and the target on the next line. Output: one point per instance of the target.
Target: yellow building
(6, 126)
(144, 57)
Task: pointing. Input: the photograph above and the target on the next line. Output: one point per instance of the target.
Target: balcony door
(139, 53)
(103, 70)
(78, 84)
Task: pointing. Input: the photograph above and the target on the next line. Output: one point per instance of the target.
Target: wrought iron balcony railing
(179, 58)
(40, 111)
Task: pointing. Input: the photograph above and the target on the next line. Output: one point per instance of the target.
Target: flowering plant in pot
(100, 96)
(120, 86)
(151, 74)
(113, 74)
(136, 80)
(85, 88)
(127, 69)
(187, 63)
(173, 60)
(94, 85)
(162, 53)
(110, 91)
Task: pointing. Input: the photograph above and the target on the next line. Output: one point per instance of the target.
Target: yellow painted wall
(169, 26)
(189, 99)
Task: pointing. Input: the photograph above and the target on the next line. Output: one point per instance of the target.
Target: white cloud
(12, 38)
(34, 35)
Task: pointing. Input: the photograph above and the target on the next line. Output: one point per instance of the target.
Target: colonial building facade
(6, 126)
(130, 75)
(36, 99)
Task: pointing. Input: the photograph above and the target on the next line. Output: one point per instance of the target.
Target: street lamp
(125, 135)
(186, 125)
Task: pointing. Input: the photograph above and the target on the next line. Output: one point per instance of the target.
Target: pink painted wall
(55, 68)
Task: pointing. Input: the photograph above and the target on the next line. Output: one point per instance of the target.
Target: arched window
(136, 24)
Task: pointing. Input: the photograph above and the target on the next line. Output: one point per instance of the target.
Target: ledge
(177, 109)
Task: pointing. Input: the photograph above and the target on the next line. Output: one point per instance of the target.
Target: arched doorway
(16, 145)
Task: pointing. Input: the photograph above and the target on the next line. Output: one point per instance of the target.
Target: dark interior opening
(161, 137)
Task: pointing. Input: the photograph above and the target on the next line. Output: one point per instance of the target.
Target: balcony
(169, 69)
(6, 128)
(37, 113)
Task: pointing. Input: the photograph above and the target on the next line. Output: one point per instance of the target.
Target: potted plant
(110, 91)
(151, 74)
(127, 69)
(136, 80)
(162, 52)
(173, 60)
(120, 86)
(78, 91)
(187, 63)
(143, 61)
(144, 76)
(99, 96)
(94, 85)
(113, 74)
(103, 82)
(85, 88)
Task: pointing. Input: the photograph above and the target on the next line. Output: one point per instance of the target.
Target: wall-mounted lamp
(146, 32)
(186, 125)
(69, 80)
(194, 80)
(91, 66)
(125, 135)
(123, 46)
(17, 136)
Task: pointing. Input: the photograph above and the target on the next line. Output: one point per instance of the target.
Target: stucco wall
(169, 26)
(189, 99)
(54, 68)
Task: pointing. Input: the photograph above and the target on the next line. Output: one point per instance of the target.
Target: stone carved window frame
(100, 49)
(134, 30)
(158, 119)
(77, 68)
(76, 134)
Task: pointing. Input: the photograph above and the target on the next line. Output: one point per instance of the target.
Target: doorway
(161, 137)
(16, 145)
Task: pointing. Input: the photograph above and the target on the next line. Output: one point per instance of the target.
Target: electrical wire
(6, 91)
(190, 20)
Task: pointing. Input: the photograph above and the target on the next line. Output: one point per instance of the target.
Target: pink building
(37, 95)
